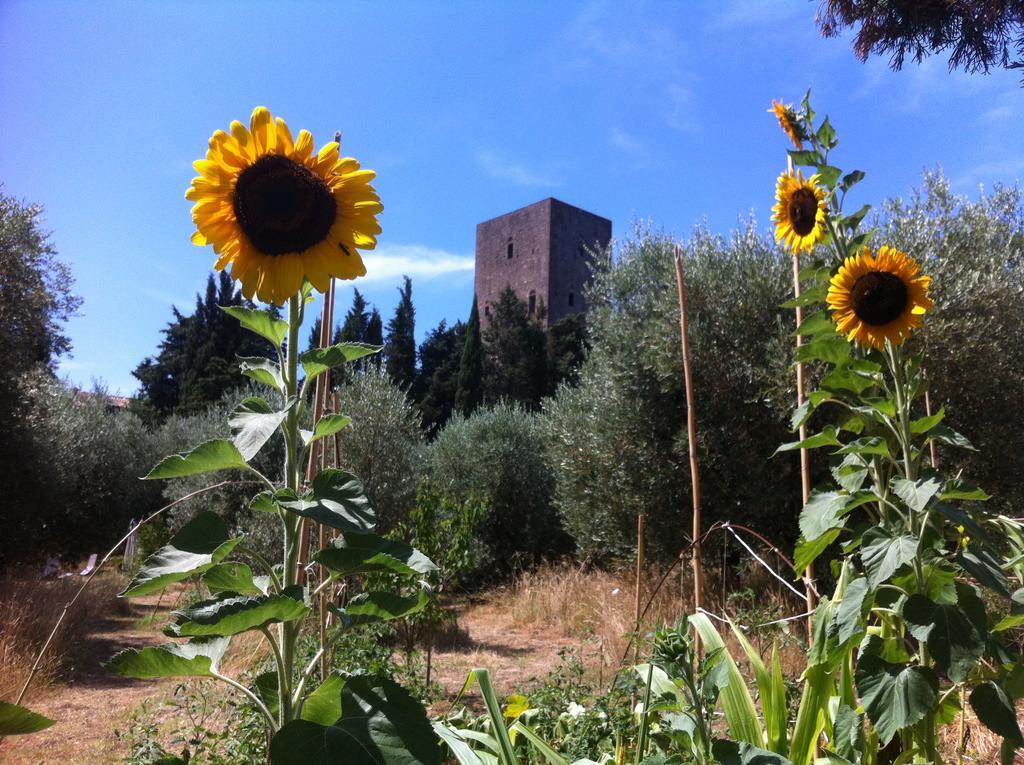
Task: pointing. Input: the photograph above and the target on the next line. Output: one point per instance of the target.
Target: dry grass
(28, 611)
(601, 605)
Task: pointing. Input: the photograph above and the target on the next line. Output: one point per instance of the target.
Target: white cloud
(505, 169)
(620, 139)
(389, 263)
(747, 13)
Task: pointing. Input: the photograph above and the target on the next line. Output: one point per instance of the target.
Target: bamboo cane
(805, 469)
(691, 433)
(931, 443)
(641, 521)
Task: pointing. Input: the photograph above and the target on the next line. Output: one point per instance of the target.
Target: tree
(515, 354)
(400, 348)
(437, 382)
(353, 329)
(978, 33)
(617, 442)
(384, 444)
(374, 336)
(567, 349)
(35, 293)
(469, 389)
(197, 362)
(496, 455)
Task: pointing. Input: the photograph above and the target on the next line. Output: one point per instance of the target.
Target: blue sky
(467, 110)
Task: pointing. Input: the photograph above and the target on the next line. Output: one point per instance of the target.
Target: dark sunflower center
(879, 297)
(283, 206)
(803, 211)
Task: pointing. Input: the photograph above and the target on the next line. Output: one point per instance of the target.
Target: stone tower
(541, 252)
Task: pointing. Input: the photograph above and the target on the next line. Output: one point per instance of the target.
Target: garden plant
(287, 220)
(927, 581)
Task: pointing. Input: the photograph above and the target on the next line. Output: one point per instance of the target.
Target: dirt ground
(93, 703)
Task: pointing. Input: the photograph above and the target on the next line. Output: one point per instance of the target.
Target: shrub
(384, 445)
(497, 455)
(617, 442)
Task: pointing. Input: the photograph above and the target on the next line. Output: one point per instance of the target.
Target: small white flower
(575, 710)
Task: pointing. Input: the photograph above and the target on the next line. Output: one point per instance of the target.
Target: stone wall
(540, 251)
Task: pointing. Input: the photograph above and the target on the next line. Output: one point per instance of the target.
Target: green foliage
(400, 347)
(72, 488)
(496, 455)
(384, 446)
(35, 295)
(470, 393)
(515, 354)
(617, 441)
(196, 363)
(566, 351)
(437, 381)
(304, 722)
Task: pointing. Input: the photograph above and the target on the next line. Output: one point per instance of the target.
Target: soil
(90, 703)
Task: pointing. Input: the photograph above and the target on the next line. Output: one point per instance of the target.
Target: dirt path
(92, 703)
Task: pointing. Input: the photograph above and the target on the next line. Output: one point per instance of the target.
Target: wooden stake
(641, 521)
(691, 435)
(319, 404)
(931, 444)
(805, 469)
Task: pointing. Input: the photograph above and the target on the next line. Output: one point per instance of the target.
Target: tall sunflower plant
(286, 220)
(927, 582)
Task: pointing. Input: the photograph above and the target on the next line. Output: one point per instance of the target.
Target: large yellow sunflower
(787, 121)
(879, 298)
(799, 213)
(277, 212)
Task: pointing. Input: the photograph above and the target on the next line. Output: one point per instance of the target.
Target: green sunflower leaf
(327, 425)
(208, 457)
(316, 361)
(380, 724)
(368, 553)
(197, 547)
(883, 552)
(895, 696)
(229, 614)
(338, 500)
(17, 720)
(262, 370)
(196, 658)
(253, 422)
(924, 424)
(996, 711)
(826, 437)
(263, 323)
(807, 552)
(851, 179)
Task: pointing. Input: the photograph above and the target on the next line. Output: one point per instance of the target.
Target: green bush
(617, 442)
(78, 481)
(974, 251)
(497, 455)
(384, 445)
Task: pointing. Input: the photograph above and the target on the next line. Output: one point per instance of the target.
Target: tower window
(572, 299)
(532, 303)
(487, 310)
(509, 250)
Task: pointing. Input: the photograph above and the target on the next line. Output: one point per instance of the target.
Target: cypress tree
(469, 391)
(438, 378)
(374, 336)
(400, 350)
(196, 363)
(515, 354)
